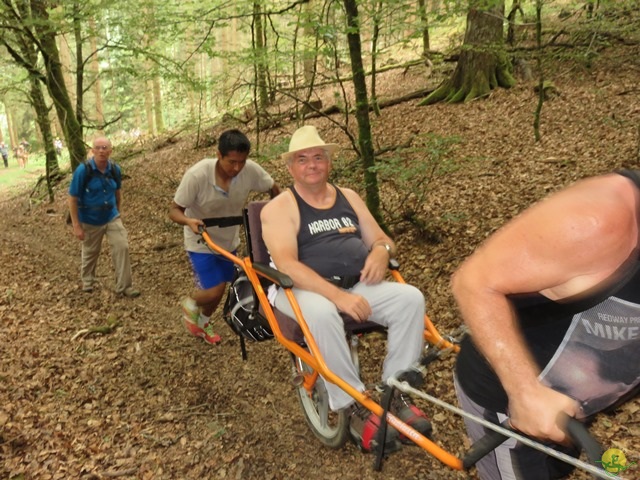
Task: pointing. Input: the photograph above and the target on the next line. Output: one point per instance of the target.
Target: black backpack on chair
(241, 310)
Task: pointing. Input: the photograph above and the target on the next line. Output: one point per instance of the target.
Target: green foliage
(410, 171)
(273, 150)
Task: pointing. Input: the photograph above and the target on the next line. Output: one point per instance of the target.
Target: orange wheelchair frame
(310, 364)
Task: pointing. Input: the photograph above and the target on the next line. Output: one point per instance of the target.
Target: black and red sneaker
(403, 408)
(364, 426)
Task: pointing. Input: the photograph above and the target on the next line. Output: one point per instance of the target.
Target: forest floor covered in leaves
(150, 402)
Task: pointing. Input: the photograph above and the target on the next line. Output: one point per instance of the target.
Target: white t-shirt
(202, 198)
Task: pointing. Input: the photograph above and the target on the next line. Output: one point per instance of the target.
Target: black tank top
(329, 240)
(587, 347)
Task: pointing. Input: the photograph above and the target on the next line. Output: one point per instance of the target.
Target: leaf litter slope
(149, 402)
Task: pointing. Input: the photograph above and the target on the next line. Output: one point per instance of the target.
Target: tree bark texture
(483, 64)
(259, 49)
(94, 67)
(424, 25)
(365, 139)
(65, 59)
(13, 137)
(148, 107)
(54, 81)
(42, 119)
(77, 34)
(157, 103)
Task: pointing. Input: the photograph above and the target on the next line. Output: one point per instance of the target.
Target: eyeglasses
(304, 161)
(102, 147)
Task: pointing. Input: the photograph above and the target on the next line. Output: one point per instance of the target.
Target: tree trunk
(259, 51)
(55, 84)
(65, 60)
(483, 63)
(309, 58)
(39, 104)
(374, 54)
(157, 104)
(13, 137)
(94, 67)
(148, 106)
(42, 119)
(77, 33)
(365, 139)
(424, 25)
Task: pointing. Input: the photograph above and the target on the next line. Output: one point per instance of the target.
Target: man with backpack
(94, 206)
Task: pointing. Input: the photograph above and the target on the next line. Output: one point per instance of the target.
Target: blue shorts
(211, 270)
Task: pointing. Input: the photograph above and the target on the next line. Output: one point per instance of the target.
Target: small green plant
(410, 171)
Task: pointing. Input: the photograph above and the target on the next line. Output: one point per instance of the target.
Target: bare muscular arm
(560, 248)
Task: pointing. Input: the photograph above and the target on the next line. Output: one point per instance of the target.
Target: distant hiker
(215, 187)
(57, 143)
(21, 155)
(94, 204)
(26, 146)
(4, 151)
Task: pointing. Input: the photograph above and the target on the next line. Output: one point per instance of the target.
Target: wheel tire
(331, 428)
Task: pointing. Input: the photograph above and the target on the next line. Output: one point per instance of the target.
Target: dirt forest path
(149, 402)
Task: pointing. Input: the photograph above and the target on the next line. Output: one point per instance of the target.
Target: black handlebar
(581, 437)
(483, 446)
(223, 222)
(577, 431)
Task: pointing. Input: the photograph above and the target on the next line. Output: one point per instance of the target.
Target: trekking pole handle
(575, 429)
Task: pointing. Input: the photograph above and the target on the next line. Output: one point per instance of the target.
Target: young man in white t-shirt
(215, 187)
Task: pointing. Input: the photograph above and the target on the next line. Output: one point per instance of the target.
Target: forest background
(381, 78)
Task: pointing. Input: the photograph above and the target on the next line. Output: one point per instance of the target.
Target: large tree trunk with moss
(365, 140)
(55, 84)
(483, 64)
(42, 119)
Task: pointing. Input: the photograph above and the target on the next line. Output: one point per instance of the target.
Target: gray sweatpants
(399, 307)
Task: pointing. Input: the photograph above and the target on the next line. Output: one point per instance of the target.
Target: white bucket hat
(308, 137)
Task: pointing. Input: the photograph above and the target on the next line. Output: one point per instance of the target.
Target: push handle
(581, 437)
(223, 221)
(483, 446)
(575, 429)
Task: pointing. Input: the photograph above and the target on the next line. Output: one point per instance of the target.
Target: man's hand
(375, 266)
(536, 412)
(353, 305)
(78, 231)
(194, 223)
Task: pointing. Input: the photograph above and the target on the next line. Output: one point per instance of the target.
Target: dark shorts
(211, 270)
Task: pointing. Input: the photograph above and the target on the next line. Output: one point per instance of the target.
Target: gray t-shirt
(202, 198)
